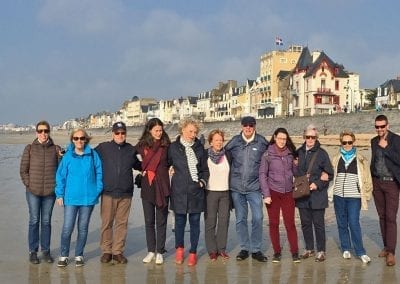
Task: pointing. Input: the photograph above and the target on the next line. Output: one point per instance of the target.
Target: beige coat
(364, 178)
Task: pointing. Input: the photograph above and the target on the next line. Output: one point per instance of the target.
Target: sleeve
(392, 151)
(24, 166)
(61, 178)
(137, 165)
(204, 172)
(325, 166)
(366, 179)
(99, 172)
(263, 175)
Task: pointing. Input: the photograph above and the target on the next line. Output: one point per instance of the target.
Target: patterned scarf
(348, 156)
(216, 157)
(191, 159)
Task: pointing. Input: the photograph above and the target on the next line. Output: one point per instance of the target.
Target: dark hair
(43, 122)
(289, 142)
(381, 117)
(146, 140)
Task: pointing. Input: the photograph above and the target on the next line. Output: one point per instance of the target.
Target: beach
(15, 267)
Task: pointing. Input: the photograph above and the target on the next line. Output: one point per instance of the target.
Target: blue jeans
(180, 223)
(70, 214)
(254, 199)
(40, 211)
(348, 217)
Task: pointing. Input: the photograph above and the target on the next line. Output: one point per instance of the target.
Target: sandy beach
(15, 267)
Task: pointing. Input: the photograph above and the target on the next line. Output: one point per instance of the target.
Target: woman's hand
(267, 200)
(324, 176)
(171, 171)
(313, 186)
(60, 201)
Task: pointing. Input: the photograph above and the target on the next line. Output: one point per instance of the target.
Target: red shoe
(180, 252)
(192, 259)
(213, 256)
(224, 255)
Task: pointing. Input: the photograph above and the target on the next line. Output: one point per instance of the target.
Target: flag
(278, 41)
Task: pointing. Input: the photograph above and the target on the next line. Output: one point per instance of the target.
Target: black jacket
(391, 152)
(118, 162)
(318, 199)
(186, 195)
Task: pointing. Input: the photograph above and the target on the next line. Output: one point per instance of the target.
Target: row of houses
(291, 82)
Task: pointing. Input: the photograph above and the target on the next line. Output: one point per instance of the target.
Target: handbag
(301, 184)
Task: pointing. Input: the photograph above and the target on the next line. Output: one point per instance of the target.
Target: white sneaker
(346, 254)
(365, 259)
(79, 261)
(159, 258)
(149, 257)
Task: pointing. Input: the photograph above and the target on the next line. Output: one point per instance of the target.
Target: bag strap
(312, 162)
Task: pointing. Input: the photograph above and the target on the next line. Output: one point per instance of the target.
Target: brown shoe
(120, 258)
(106, 258)
(320, 256)
(390, 259)
(383, 253)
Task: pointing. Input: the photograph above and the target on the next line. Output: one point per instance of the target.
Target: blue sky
(61, 59)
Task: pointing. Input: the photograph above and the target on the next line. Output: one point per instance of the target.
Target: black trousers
(155, 220)
(313, 220)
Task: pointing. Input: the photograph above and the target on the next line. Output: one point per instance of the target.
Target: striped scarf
(191, 159)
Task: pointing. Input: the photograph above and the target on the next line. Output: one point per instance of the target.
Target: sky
(63, 59)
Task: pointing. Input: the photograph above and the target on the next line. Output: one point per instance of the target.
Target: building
(388, 94)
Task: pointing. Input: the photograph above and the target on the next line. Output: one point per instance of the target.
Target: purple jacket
(276, 171)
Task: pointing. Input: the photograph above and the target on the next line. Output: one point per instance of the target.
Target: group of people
(246, 172)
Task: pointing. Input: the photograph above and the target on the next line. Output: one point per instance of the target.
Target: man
(119, 158)
(38, 170)
(385, 171)
(246, 150)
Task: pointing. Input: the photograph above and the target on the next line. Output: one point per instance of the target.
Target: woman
(78, 186)
(37, 170)
(276, 180)
(352, 188)
(189, 161)
(153, 148)
(312, 207)
(217, 197)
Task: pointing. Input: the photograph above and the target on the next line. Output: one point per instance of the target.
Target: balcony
(324, 91)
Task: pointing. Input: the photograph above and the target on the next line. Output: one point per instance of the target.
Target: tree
(371, 96)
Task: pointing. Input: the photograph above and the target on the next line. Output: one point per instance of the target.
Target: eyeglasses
(119, 133)
(82, 138)
(311, 137)
(380, 126)
(43, 131)
(347, 143)
(248, 125)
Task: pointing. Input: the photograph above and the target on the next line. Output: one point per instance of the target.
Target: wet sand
(15, 267)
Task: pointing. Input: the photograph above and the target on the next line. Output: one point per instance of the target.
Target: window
(323, 83)
(337, 85)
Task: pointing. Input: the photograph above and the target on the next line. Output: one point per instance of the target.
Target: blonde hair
(347, 133)
(185, 122)
(87, 137)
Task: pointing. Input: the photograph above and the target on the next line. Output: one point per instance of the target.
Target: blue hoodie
(79, 178)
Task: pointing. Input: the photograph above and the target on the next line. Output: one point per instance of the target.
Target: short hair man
(246, 150)
(118, 158)
(385, 171)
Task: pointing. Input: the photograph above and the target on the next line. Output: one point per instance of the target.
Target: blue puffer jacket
(79, 178)
(245, 162)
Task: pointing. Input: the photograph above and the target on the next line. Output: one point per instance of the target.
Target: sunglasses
(82, 138)
(43, 131)
(311, 137)
(248, 125)
(347, 142)
(380, 126)
(119, 133)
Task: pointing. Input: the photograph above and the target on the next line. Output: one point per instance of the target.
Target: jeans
(254, 199)
(40, 211)
(70, 214)
(347, 212)
(180, 223)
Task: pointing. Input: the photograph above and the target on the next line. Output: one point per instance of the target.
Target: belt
(386, 178)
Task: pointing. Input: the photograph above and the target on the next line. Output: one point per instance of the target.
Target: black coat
(187, 196)
(391, 152)
(318, 199)
(118, 162)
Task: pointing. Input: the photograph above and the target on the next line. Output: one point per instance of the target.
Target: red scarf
(151, 160)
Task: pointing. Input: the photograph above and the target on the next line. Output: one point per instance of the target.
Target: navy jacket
(118, 162)
(246, 159)
(186, 195)
(318, 199)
